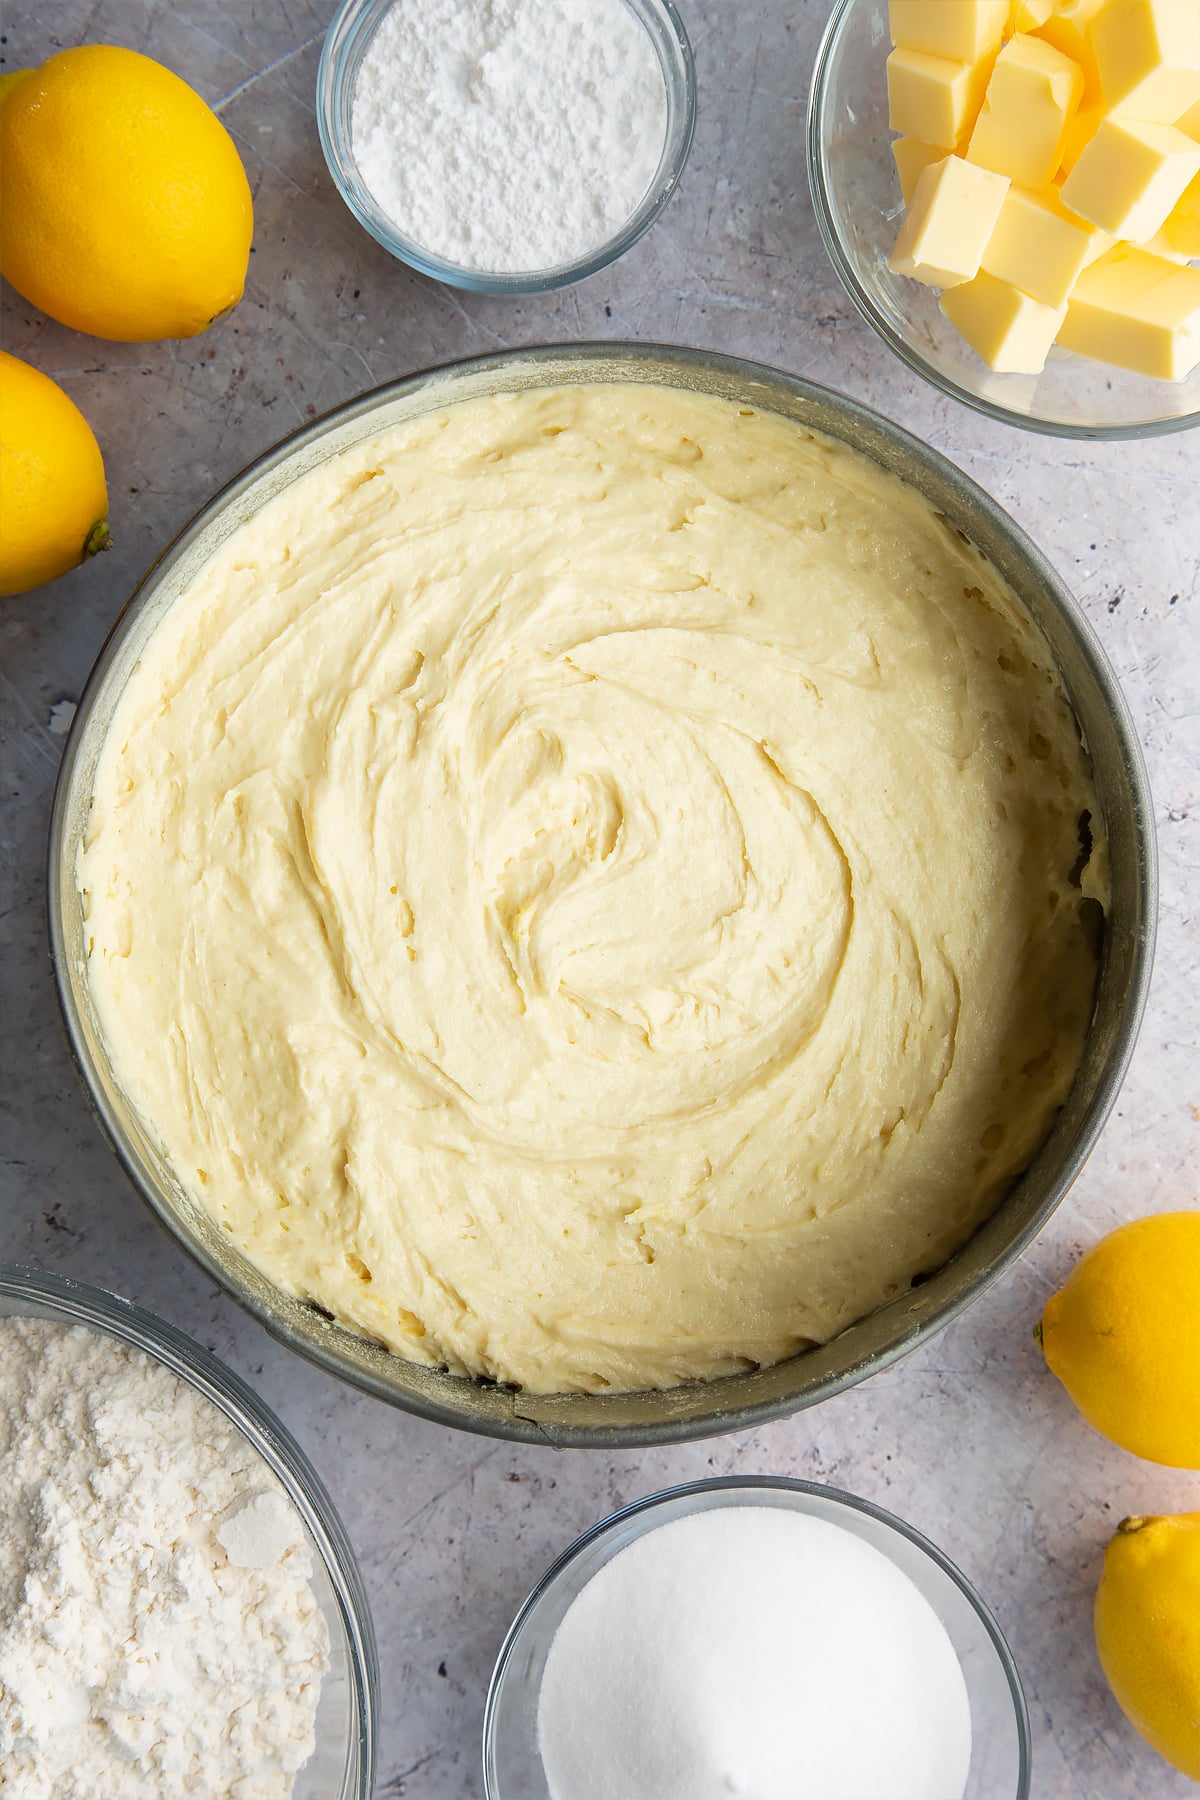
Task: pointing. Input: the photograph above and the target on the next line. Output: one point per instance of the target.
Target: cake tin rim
(719, 1418)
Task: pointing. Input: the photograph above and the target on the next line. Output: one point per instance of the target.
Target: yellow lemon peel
(1123, 1336)
(52, 492)
(1147, 1621)
(127, 212)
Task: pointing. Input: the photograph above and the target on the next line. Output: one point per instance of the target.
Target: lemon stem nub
(98, 538)
(1134, 1523)
(1037, 1335)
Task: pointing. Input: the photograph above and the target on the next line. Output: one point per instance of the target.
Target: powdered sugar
(509, 135)
(158, 1630)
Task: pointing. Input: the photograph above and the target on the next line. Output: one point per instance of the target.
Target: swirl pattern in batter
(586, 888)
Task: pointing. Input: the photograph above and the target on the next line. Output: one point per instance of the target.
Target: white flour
(158, 1632)
(509, 134)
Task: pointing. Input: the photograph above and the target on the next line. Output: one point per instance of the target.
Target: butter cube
(1079, 134)
(961, 31)
(1189, 123)
(1011, 332)
(1030, 100)
(1181, 228)
(1039, 246)
(952, 216)
(1028, 15)
(1161, 245)
(1067, 30)
(912, 158)
(1148, 55)
(1130, 175)
(1138, 311)
(1102, 242)
(933, 99)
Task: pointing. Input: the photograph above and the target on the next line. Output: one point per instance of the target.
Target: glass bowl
(345, 44)
(856, 196)
(342, 1767)
(1000, 1747)
(736, 1402)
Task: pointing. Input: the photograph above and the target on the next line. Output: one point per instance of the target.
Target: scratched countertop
(970, 1439)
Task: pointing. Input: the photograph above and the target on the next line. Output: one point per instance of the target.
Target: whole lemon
(125, 208)
(1148, 1632)
(52, 494)
(1123, 1336)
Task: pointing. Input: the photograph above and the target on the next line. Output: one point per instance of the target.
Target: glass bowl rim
(76, 1302)
(820, 188)
(698, 1492)
(332, 74)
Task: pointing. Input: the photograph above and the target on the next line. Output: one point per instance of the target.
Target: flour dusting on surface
(509, 135)
(158, 1630)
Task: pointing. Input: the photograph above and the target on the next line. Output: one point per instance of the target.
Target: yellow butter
(933, 99)
(1181, 228)
(961, 30)
(953, 213)
(1148, 56)
(1028, 15)
(1009, 330)
(1031, 98)
(1161, 245)
(1079, 134)
(1138, 311)
(1130, 175)
(912, 158)
(1189, 124)
(1041, 247)
(1066, 29)
(1102, 242)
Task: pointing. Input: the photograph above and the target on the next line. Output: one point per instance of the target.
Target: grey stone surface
(970, 1439)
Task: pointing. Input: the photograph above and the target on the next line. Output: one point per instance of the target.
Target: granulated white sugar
(755, 1652)
(509, 135)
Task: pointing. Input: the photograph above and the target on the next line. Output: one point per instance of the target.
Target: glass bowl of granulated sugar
(506, 146)
(219, 1639)
(761, 1637)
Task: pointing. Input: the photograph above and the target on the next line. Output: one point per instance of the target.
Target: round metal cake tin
(739, 1401)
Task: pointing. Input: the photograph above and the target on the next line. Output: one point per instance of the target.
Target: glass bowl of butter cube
(1009, 191)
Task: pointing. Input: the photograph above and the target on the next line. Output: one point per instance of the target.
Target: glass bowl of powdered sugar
(180, 1608)
(506, 146)
(755, 1637)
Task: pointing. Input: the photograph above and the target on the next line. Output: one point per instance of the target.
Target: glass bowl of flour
(506, 146)
(218, 1634)
(755, 1636)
